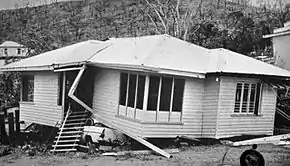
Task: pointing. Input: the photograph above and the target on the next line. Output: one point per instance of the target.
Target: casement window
(132, 90)
(28, 88)
(165, 94)
(248, 97)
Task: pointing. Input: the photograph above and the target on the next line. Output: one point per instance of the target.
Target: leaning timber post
(11, 125)
(17, 123)
(4, 139)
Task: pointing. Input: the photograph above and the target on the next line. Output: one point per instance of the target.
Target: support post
(4, 138)
(17, 123)
(11, 125)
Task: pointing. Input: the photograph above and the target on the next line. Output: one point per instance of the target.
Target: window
(247, 98)
(28, 88)
(5, 51)
(171, 94)
(18, 51)
(60, 88)
(132, 90)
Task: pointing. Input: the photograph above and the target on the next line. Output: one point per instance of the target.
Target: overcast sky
(8, 4)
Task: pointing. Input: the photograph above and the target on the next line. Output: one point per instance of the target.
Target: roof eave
(249, 75)
(147, 69)
(276, 34)
(41, 68)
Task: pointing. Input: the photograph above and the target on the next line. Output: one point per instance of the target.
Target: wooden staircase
(71, 130)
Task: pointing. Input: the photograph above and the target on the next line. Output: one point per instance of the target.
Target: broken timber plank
(138, 152)
(263, 140)
(109, 124)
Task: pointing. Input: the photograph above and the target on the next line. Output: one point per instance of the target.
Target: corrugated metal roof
(72, 54)
(159, 53)
(226, 61)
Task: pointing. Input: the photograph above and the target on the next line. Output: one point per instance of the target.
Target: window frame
(136, 92)
(256, 106)
(25, 79)
(171, 94)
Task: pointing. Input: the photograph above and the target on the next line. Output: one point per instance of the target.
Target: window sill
(27, 102)
(143, 122)
(245, 115)
(127, 118)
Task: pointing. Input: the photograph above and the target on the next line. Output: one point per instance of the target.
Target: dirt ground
(195, 155)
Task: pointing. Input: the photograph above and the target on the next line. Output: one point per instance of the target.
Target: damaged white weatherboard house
(151, 87)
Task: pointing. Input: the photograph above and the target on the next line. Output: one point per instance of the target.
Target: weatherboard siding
(210, 107)
(106, 100)
(230, 124)
(44, 109)
(190, 124)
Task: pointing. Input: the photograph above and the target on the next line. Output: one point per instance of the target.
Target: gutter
(107, 123)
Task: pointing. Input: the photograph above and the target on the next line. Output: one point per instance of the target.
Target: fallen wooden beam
(138, 152)
(107, 123)
(265, 140)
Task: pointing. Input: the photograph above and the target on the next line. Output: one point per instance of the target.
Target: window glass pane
(153, 93)
(165, 95)
(238, 97)
(132, 90)
(257, 102)
(178, 95)
(123, 89)
(30, 90)
(140, 93)
(24, 88)
(60, 88)
(252, 98)
(27, 88)
(245, 97)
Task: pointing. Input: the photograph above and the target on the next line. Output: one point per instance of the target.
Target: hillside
(212, 23)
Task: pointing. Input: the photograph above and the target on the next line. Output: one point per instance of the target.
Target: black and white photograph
(145, 82)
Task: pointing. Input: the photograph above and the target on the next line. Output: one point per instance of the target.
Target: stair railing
(61, 129)
(282, 113)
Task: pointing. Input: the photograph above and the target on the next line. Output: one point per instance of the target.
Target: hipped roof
(159, 53)
(11, 44)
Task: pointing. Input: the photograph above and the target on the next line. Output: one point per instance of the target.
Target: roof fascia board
(33, 68)
(41, 68)
(148, 70)
(261, 76)
(276, 34)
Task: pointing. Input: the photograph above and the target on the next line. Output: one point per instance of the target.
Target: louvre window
(247, 100)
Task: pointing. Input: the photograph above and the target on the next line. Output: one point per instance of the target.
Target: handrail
(61, 129)
(282, 113)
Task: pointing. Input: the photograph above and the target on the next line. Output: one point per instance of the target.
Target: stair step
(73, 128)
(73, 120)
(79, 113)
(63, 150)
(70, 132)
(69, 136)
(73, 124)
(65, 145)
(77, 116)
(65, 141)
